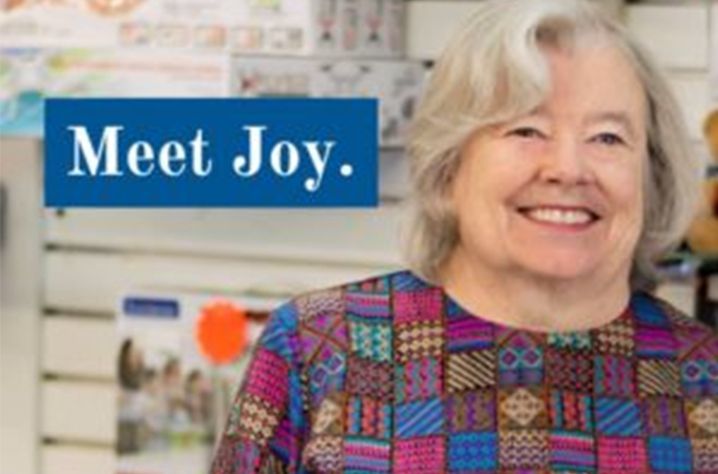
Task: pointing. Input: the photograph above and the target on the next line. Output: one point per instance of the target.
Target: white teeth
(559, 216)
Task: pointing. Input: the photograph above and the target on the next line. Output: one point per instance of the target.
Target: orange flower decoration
(221, 332)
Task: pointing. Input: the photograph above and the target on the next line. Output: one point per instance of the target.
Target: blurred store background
(102, 360)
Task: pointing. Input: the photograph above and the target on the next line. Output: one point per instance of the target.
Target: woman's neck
(534, 302)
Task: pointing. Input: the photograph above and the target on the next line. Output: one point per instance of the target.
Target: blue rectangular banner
(211, 152)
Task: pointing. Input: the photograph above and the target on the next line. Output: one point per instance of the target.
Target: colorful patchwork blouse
(391, 375)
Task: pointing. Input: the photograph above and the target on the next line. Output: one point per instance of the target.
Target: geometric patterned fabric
(390, 374)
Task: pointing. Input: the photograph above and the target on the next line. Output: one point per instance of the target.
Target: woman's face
(558, 193)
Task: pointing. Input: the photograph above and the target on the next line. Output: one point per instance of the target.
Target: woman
(130, 371)
(550, 169)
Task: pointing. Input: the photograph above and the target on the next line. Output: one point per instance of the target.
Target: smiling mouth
(560, 215)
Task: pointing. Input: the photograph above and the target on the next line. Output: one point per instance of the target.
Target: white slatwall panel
(77, 460)
(79, 346)
(94, 281)
(683, 44)
(79, 411)
(339, 235)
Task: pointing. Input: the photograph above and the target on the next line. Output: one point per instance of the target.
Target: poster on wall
(61, 23)
(28, 76)
(287, 27)
(103, 23)
(173, 392)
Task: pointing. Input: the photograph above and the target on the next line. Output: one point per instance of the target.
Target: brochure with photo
(173, 392)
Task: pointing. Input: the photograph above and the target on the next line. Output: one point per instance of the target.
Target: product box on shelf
(359, 28)
(397, 85)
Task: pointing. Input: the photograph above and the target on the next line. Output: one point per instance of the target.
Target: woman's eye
(610, 139)
(527, 132)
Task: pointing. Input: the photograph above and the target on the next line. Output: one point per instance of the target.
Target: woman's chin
(560, 265)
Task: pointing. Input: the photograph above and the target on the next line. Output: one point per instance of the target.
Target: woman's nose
(564, 162)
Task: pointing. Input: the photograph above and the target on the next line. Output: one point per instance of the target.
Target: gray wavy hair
(493, 70)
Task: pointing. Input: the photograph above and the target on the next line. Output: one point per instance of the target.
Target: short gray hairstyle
(493, 70)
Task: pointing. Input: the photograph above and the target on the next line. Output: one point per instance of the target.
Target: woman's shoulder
(370, 297)
(671, 327)
(327, 316)
(348, 313)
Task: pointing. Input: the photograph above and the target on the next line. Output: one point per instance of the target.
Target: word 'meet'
(108, 156)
